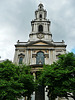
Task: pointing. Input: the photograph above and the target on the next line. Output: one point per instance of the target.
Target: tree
(15, 81)
(27, 79)
(60, 77)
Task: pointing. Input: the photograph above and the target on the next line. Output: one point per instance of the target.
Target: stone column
(49, 58)
(34, 75)
(31, 57)
(54, 56)
(27, 57)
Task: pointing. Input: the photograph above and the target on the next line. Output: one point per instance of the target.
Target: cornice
(40, 21)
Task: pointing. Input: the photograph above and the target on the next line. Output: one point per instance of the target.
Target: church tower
(40, 48)
(40, 26)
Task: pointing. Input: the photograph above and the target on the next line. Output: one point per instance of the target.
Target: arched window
(20, 60)
(21, 57)
(40, 16)
(40, 28)
(40, 58)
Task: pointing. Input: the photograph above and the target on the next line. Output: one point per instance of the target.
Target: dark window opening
(40, 7)
(40, 28)
(40, 16)
(20, 60)
(21, 57)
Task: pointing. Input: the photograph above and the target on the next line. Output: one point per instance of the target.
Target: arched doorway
(40, 58)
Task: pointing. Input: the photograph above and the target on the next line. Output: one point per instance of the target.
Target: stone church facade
(40, 48)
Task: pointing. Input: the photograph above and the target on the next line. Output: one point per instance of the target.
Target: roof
(45, 43)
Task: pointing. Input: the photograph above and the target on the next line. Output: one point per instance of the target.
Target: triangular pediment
(40, 43)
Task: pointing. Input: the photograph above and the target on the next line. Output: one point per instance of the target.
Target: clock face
(40, 36)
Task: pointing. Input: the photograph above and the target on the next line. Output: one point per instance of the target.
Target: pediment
(40, 43)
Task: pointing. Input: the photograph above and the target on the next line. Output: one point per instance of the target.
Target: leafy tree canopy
(60, 77)
(15, 81)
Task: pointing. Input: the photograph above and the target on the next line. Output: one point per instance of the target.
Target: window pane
(20, 60)
(40, 58)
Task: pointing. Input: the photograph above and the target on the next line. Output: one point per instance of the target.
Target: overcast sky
(15, 22)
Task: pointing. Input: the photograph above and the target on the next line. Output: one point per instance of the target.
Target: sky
(16, 17)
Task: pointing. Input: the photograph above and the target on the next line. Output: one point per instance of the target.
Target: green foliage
(60, 77)
(27, 79)
(15, 81)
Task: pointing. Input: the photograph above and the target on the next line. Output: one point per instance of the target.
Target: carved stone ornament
(46, 55)
(33, 55)
(21, 55)
(40, 36)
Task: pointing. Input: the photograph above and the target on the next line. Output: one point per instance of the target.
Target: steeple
(40, 6)
(40, 25)
(40, 13)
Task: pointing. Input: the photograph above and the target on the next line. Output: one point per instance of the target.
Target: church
(40, 48)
